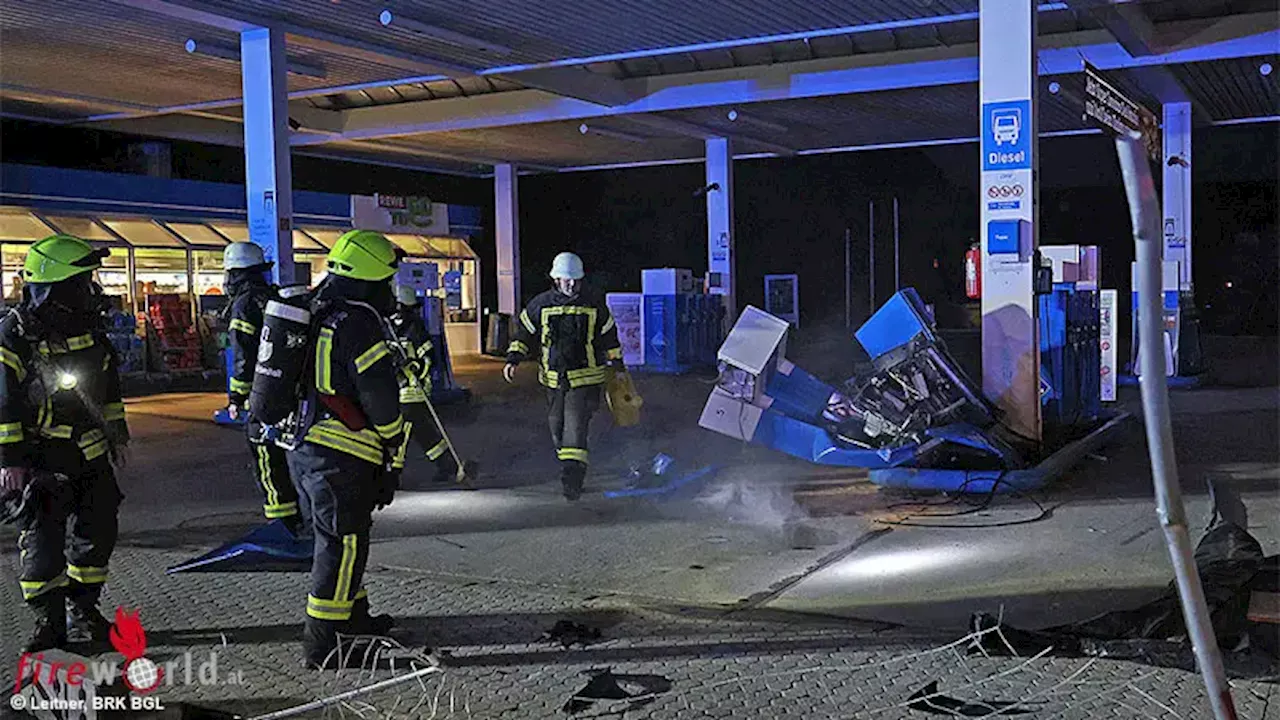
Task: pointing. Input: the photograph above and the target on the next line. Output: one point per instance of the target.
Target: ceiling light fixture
(1265, 69)
(195, 47)
(735, 116)
(444, 35)
(606, 132)
(1054, 87)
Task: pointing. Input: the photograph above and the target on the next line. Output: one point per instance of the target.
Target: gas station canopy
(559, 85)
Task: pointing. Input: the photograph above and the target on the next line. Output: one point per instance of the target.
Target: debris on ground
(569, 633)
(604, 685)
(928, 700)
(1231, 567)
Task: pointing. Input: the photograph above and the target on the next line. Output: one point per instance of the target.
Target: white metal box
(730, 416)
(755, 341)
(666, 281)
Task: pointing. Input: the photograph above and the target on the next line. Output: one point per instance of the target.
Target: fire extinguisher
(973, 272)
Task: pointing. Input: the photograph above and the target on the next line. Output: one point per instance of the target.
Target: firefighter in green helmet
(351, 441)
(62, 428)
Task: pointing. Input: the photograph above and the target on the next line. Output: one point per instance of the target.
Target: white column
(507, 204)
(721, 261)
(268, 176)
(1177, 190)
(1007, 87)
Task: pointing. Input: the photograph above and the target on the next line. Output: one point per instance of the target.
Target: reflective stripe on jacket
(415, 343)
(243, 331)
(55, 389)
(575, 339)
(353, 362)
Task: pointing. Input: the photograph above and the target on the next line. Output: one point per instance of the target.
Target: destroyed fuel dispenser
(914, 418)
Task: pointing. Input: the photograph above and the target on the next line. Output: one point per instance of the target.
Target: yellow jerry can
(624, 401)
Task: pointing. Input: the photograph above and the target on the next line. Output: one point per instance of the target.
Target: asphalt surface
(713, 589)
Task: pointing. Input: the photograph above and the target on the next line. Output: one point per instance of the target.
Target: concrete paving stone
(720, 667)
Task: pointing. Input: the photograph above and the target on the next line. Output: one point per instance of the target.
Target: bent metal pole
(1144, 210)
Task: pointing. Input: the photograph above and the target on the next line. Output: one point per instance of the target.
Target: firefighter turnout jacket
(577, 338)
(56, 391)
(242, 335)
(356, 386)
(415, 345)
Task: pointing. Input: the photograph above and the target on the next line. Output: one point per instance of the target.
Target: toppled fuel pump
(914, 417)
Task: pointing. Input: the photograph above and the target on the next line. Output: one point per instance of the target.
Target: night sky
(792, 214)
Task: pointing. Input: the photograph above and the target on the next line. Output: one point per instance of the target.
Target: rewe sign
(411, 214)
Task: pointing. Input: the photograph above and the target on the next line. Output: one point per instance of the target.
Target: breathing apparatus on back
(359, 265)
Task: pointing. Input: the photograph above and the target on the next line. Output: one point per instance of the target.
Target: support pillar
(1007, 96)
(507, 227)
(268, 176)
(1189, 358)
(1177, 190)
(722, 262)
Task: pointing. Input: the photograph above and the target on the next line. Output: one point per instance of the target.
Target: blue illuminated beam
(1240, 36)
(757, 40)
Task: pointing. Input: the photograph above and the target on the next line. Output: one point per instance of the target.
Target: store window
(198, 234)
(23, 226)
(114, 279)
(143, 233)
(81, 227)
(160, 271)
(209, 274)
(11, 257)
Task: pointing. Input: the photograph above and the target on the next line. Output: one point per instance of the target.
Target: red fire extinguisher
(973, 272)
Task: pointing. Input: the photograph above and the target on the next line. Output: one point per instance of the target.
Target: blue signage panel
(1006, 135)
(1003, 237)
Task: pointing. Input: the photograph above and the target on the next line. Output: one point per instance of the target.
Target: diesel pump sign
(1006, 135)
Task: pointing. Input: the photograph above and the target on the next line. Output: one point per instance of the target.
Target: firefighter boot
(446, 469)
(573, 474)
(363, 623)
(324, 649)
(85, 624)
(51, 622)
(320, 644)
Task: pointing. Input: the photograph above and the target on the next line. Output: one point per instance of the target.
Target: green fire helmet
(59, 257)
(364, 255)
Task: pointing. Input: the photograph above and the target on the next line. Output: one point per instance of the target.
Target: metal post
(268, 175)
(897, 274)
(721, 250)
(1144, 210)
(848, 279)
(507, 217)
(871, 255)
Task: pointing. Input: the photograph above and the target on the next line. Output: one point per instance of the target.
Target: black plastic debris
(569, 633)
(636, 690)
(1231, 566)
(928, 700)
